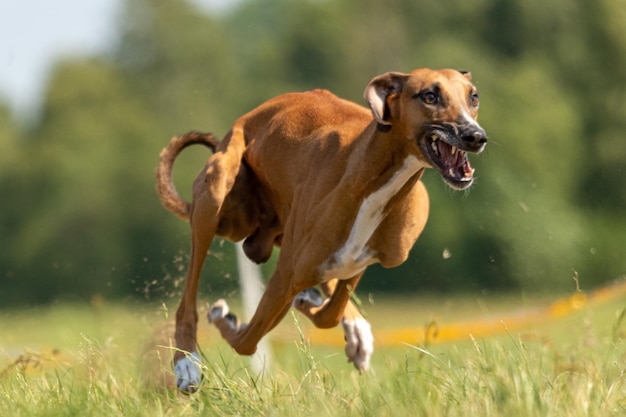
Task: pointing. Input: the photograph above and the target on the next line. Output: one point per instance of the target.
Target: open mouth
(451, 162)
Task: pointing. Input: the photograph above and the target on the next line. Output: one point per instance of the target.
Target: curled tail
(166, 190)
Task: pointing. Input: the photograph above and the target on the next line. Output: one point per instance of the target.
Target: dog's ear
(466, 74)
(377, 92)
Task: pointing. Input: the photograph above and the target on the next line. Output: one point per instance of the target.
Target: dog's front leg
(274, 304)
(326, 313)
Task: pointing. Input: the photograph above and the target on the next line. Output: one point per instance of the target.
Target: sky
(34, 34)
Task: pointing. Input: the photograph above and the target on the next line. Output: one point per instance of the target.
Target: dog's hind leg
(325, 313)
(187, 368)
(209, 191)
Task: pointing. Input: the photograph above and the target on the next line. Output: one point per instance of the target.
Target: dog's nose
(475, 137)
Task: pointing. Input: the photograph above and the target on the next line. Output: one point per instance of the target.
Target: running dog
(336, 186)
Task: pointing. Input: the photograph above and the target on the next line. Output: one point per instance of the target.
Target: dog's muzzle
(446, 146)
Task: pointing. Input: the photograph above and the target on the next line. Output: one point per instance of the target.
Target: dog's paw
(308, 298)
(359, 342)
(188, 373)
(218, 314)
(217, 311)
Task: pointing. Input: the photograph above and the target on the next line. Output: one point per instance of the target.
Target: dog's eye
(474, 99)
(428, 97)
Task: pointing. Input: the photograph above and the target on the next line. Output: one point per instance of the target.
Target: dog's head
(437, 110)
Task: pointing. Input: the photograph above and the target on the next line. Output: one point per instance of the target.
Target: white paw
(310, 296)
(218, 310)
(188, 373)
(359, 342)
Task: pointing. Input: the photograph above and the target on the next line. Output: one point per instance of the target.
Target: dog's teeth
(454, 150)
(451, 172)
(434, 137)
(433, 145)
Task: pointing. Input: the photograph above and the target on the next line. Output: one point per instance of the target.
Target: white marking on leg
(359, 342)
(354, 256)
(309, 297)
(188, 372)
(218, 310)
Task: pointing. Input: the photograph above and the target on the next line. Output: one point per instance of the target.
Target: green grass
(104, 360)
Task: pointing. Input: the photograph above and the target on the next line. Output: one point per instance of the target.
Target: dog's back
(293, 137)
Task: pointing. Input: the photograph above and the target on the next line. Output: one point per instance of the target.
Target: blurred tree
(83, 217)
(13, 180)
(179, 63)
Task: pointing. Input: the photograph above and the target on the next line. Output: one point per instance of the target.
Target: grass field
(104, 360)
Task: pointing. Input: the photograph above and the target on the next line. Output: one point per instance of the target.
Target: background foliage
(80, 215)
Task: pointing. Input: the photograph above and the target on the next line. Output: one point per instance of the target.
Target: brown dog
(334, 187)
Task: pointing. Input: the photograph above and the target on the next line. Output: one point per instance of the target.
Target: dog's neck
(383, 154)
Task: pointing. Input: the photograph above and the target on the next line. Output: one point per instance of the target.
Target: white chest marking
(354, 256)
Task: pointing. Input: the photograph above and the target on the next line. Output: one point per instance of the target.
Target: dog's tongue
(468, 171)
